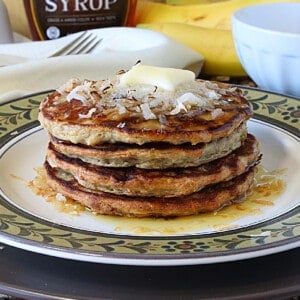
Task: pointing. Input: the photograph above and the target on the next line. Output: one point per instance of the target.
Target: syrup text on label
(53, 6)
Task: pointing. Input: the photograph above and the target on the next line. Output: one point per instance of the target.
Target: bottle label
(51, 19)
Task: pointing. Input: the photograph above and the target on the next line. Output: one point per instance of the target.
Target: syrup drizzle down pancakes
(131, 146)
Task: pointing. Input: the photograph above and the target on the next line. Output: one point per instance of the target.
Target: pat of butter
(166, 78)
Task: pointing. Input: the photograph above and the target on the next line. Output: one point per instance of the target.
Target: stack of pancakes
(143, 151)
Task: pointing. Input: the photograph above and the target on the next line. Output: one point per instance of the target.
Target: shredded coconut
(147, 113)
(69, 85)
(150, 101)
(121, 125)
(216, 113)
(186, 101)
(121, 108)
(89, 114)
(81, 92)
(179, 106)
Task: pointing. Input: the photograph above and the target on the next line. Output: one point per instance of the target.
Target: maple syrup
(51, 19)
(267, 188)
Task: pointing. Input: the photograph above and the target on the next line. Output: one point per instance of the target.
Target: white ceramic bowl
(267, 40)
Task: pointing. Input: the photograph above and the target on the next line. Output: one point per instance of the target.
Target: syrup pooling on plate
(60, 202)
(269, 185)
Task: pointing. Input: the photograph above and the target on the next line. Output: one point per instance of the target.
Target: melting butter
(166, 78)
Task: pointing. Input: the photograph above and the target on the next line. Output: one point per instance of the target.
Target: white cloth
(120, 49)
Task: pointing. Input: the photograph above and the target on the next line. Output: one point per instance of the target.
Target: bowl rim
(236, 18)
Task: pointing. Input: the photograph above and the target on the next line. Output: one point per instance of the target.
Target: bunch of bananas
(204, 27)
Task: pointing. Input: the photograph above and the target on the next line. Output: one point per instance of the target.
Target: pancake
(96, 112)
(152, 155)
(150, 142)
(159, 183)
(208, 199)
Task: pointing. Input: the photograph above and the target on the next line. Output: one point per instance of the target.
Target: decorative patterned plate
(29, 222)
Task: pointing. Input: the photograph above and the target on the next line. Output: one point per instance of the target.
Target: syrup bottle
(51, 19)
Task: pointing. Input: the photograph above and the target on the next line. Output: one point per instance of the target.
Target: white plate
(29, 222)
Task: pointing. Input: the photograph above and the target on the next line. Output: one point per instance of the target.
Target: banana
(211, 15)
(216, 45)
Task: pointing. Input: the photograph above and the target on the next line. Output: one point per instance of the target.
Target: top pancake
(95, 112)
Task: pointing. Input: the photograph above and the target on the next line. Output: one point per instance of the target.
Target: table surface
(34, 276)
